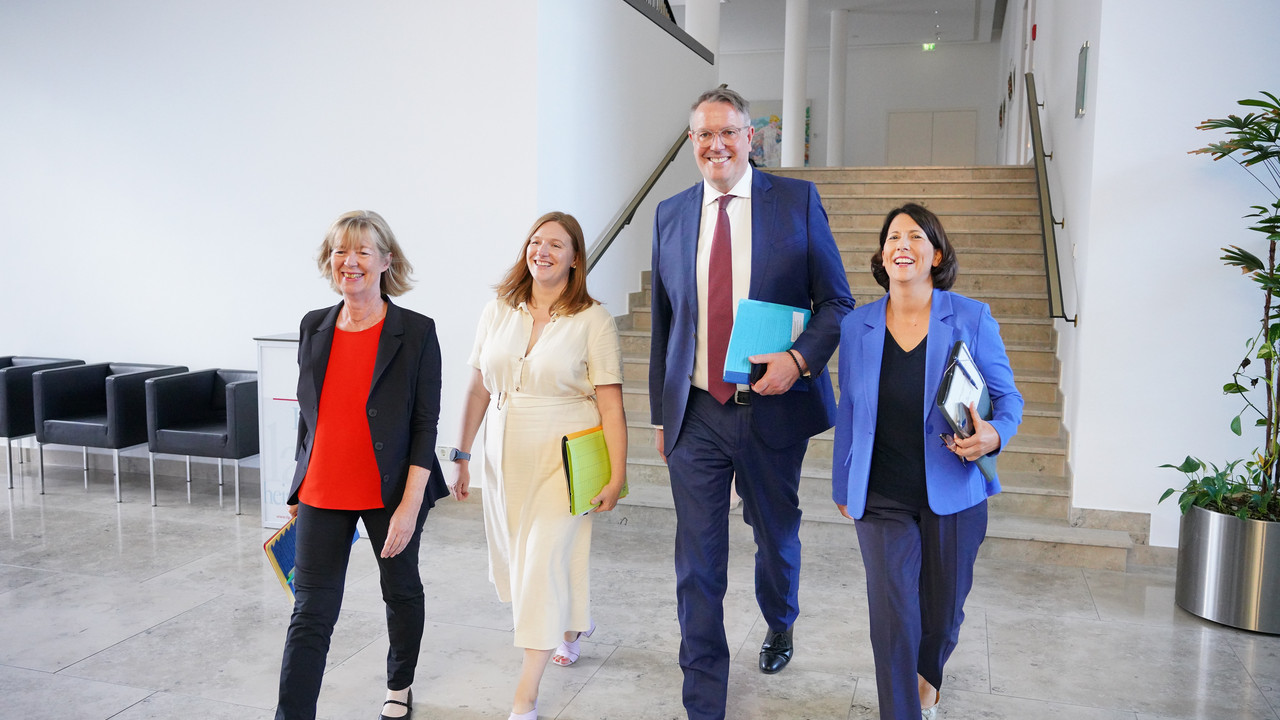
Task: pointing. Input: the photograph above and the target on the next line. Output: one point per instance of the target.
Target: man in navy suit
(738, 234)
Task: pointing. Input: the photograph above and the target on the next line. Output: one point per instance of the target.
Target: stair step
(941, 204)
(1038, 454)
(972, 260)
(1009, 537)
(852, 221)
(991, 173)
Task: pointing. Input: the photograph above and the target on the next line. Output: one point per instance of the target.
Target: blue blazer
(952, 485)
(404, 399)
(794, 261)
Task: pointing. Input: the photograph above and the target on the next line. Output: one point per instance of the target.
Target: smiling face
(721, 165)
(357, 266)
(908, 255)
(549, 255)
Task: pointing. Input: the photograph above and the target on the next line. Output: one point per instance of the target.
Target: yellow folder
(586, 468)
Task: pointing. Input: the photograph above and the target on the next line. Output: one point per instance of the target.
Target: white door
(932, 137)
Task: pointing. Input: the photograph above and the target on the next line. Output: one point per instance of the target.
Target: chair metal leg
(188, 479)
(8, 459)
(151, 465)
(84, 451)
(116, 469)
(219, 460)
(237, 484)
(40, 445)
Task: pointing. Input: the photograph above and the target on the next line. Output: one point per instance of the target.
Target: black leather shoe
(775, 653)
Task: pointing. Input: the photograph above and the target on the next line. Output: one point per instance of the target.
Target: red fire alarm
(1033, 33)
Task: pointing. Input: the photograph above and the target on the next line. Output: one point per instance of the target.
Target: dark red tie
(720, 305)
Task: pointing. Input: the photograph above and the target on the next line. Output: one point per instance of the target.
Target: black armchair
(17, 412)
(206, 413)
(101, 405)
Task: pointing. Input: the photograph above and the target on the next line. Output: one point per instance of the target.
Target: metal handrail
(1053, 275)
(599, 247)
(624, 218)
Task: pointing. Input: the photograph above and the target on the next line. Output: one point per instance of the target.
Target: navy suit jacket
(794, 261)
(404, 399)
(952, 485)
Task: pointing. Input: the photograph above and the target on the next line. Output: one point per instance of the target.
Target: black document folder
(962, 383)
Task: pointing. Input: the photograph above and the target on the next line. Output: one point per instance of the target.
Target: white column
(795, 51)
(702, 21)
(836, 87)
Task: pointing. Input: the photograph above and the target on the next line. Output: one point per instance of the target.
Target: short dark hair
(944, 275)
(723, 95)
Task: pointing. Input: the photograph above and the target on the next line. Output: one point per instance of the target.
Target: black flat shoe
(776, 651)
(408, 705)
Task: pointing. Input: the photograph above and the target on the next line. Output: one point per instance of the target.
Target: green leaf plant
(1249, 488)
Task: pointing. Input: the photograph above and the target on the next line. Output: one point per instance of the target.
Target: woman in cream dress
(547, 363)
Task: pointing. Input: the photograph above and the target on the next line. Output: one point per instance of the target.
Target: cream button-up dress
(538, 552)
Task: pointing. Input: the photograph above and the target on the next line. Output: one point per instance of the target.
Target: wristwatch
(451, 454)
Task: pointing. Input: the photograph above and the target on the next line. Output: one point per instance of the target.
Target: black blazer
(404, 399)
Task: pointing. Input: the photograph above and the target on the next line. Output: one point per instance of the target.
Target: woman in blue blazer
(919, 502)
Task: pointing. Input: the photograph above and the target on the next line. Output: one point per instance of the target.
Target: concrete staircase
(992, 218)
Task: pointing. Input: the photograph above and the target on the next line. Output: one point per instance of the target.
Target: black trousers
(323, 551)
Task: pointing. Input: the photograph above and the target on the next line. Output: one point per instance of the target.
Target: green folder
(586, 468)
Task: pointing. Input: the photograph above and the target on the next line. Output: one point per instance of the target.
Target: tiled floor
(128, 611)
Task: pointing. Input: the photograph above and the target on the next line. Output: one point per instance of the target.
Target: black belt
(742, 397)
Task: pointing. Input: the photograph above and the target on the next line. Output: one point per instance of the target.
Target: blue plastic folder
(758, 328)
(282, 552)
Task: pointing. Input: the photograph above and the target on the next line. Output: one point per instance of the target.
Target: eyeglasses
(727, 135)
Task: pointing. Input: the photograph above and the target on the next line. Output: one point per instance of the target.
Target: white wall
(170, 168)
(1162, 321)
(882, 80)
(614, 91)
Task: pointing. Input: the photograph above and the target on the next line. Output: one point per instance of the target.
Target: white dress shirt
(739, 212)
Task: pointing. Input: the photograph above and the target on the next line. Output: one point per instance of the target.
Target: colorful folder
(761, 327)
(282, 551)
(586, 468)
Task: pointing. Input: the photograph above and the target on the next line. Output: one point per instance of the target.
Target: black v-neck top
(897, 456)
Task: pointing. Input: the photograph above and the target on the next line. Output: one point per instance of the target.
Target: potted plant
(1229, 545)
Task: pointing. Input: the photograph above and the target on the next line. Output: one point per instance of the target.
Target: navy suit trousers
(323, 551)
(718, 442)
(919, 568)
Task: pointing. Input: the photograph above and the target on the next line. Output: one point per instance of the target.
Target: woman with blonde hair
(546, 363)
(368, 401)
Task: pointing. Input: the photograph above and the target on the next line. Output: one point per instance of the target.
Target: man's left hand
(779, 377)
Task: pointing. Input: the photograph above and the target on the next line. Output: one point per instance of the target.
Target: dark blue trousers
(919, 571)
(323, 551)
(718, 442)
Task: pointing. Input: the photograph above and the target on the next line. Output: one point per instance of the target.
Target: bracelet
(791, 353)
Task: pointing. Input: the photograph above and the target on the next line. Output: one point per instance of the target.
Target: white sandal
(931, 712)
(569, 652)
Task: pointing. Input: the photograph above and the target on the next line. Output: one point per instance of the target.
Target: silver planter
(1229, 570)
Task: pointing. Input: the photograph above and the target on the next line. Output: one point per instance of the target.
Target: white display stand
(278, 425)
(277, 422)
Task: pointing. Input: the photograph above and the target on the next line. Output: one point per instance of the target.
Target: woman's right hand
(460, 489)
